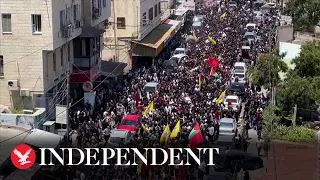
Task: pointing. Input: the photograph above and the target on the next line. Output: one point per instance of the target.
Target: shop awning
(154, 42)
(112, 69)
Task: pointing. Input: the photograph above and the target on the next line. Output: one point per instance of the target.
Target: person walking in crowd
(185, 96)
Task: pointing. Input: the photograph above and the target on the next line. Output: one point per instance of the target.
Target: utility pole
(295, 109)
(115, 31)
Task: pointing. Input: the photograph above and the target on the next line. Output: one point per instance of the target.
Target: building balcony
(85, 63)
(96, 11)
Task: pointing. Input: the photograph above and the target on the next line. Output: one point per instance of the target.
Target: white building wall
(57, 6)
(132, 11)
(23, 51)
(105, 13)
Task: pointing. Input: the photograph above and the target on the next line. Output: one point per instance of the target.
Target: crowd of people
(180, 96)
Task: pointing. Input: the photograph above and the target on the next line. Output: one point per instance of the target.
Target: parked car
(235, 102)
(240, 66)
(130, 123)
(242, 76)
(180, 51)
(228, 127)
(251, 26)
(236, 88)
(151, 87)
(250, 36)
(117, 136)
(169, 65)
(178, 58)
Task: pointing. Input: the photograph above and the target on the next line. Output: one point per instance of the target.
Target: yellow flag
(212, 40)
(223, 15)
(141, 163)
(145, 127)
(220, 99)
(166, 134)
(176, 130)
(149, 108)
(195, 36)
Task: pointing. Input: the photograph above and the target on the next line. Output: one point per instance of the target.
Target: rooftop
(10, 137)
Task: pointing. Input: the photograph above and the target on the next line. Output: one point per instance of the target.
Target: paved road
(253, 150)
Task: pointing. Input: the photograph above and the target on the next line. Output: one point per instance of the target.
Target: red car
(130, 122)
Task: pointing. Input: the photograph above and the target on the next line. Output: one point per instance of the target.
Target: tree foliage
(273, 129)
(305, 13)
(308, 62)
(303, 81)
(267, 71)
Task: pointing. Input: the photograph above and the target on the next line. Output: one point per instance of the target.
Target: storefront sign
(61, 114)
(189, 5)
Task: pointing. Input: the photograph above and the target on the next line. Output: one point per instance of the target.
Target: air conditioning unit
(13, 83)
(78, 24)
(24, 92)
(65, 32)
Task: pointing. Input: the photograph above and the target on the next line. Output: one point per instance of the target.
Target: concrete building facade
(37, 47)
(131, 20)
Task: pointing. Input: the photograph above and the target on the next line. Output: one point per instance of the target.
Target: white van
(151, 87)
(251, 26)
(117, 136)
(240, 66)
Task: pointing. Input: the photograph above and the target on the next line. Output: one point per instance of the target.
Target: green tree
(303, 81)
(293, 90)
(267, 71)
(308, 62)
(305, 13)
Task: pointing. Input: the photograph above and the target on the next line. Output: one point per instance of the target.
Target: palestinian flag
(214, 73)
(202, 80)
(195, 137)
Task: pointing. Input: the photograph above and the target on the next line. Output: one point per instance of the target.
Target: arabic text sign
(189, 5)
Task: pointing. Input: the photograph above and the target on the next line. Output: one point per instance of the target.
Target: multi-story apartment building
(132, 20)
(40, 41)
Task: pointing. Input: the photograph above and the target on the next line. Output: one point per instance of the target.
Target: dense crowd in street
(181, 96)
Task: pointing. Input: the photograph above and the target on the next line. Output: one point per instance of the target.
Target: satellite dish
(87, 86)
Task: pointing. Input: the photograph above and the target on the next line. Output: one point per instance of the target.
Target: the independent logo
(23, 156)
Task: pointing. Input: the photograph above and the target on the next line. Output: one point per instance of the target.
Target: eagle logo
(23, 156)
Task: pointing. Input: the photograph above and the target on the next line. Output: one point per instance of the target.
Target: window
(69, 14)
(69, 53)
(36, 23)
(121, 23)
(61, 55)
(99, 5)
(62, 18)
(54, 61)
(159, 8)
(155, 10)
(1, 66)
(144, 19)
(75, 12)
(150, 14)
(104, 3)
(83, 47)
(6, 23)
